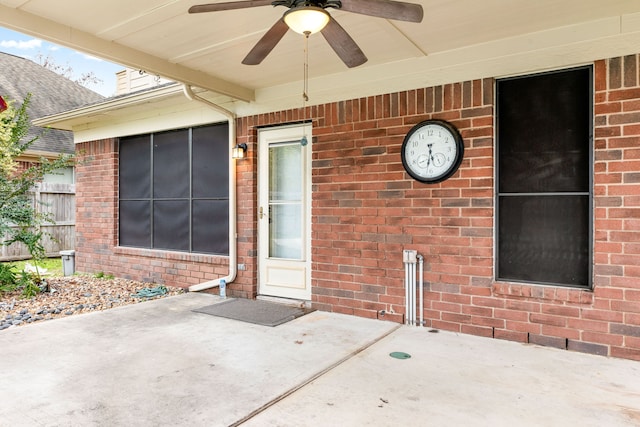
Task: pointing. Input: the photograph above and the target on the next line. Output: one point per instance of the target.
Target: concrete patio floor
(159, 363)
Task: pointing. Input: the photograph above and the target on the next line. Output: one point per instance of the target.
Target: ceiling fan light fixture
(306, 19)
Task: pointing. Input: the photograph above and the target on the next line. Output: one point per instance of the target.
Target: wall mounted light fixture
(238, 151)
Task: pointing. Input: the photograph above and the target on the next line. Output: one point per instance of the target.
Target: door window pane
(285, 231)
(285, 179)
(285, 200)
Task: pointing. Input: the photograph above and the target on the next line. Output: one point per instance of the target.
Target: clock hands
(426, 160)
(431, 159)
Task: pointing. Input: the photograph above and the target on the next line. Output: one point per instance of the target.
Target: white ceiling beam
(82, 41)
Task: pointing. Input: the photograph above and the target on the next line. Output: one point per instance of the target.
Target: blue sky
(29, 47)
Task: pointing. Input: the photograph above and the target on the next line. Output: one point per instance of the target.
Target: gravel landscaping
(74, 295)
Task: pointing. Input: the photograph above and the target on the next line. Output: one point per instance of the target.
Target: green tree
(20, 220)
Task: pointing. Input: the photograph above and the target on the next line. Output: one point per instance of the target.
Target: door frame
(267, 136)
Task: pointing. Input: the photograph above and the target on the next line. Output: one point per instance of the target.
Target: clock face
(432, 151)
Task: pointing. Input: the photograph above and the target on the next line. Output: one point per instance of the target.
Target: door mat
(255, 311)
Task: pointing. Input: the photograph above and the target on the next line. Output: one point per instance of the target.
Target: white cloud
(21, 45)
(87, 56)
(92, 58)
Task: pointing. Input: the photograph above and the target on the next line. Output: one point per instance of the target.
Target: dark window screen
(208, 175)
(544, 239)
(544, 130)
(206, 238)
(171, 164)
(135, 168)
(174, 190)
(171, 224)
(135, 223)
(544, 125)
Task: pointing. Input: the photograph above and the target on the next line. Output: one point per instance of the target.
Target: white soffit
(458, 40)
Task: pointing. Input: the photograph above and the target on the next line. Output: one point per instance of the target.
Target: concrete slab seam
(313, 377)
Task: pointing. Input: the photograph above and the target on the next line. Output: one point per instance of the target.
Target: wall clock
(432, 151)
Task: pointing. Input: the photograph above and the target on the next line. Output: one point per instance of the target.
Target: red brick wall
(366, 210)
(615, 313)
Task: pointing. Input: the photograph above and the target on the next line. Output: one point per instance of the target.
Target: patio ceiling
(458, 40)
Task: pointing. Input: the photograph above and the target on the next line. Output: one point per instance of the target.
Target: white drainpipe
(409, 257)
(233, 226)
(421, 287)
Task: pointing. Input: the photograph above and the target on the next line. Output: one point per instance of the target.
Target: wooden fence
(58, 200)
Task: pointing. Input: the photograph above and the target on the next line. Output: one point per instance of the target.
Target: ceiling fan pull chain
(305, 89)
(305, 93)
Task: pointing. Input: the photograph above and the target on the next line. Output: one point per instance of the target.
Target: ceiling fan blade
(389, 9)
(266, 44)
(342, 43)
(215, 7)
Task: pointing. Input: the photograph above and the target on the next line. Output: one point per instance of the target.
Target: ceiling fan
(310, 16)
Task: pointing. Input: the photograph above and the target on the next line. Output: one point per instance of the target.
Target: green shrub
(8, 279)
(20, 220)
(29, 284)
(101, 275)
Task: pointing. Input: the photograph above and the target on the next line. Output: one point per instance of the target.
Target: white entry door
(284, 212)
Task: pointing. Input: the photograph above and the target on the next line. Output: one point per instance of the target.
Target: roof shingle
(50, 94)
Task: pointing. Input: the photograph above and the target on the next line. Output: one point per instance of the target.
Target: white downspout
(421, 287)
(233, 226)
(409, 257)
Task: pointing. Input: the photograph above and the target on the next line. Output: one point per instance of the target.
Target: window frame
(590, 182)
(190, 199)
